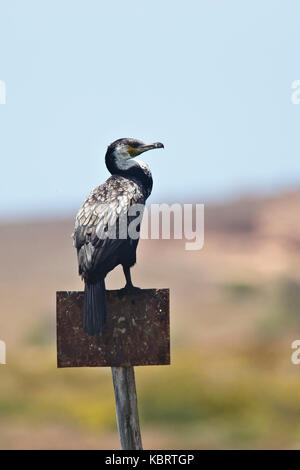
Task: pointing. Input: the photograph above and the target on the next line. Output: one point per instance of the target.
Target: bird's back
(100, 214)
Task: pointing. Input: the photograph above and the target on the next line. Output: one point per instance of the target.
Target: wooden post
(126, 408)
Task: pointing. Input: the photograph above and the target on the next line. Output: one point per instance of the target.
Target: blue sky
(211, 79)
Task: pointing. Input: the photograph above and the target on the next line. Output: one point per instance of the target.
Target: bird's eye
(133, 149)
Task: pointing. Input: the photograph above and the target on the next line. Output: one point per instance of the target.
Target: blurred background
(213, 81)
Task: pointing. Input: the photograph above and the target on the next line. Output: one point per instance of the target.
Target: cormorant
(130, 183)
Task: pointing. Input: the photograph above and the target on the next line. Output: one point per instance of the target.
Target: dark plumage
(100, 214)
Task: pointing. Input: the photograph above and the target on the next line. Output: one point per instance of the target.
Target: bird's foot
(129, 289)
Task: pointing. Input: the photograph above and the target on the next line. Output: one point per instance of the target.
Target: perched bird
(97, 236)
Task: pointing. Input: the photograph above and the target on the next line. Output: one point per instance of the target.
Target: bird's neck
(133, 169)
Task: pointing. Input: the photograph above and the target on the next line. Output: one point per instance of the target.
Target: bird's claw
(129, 289)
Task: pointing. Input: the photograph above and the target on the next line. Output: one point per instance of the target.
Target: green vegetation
(241, 290)
(219, 395)
(232, 394)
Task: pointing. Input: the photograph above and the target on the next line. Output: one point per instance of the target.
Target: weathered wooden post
(126, 407)
(137, 333)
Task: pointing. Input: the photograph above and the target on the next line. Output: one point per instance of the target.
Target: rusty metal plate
(137, 330)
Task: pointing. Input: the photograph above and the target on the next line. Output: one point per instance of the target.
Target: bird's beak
(145, 148)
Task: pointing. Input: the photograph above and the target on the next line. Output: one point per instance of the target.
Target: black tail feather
(94, 307)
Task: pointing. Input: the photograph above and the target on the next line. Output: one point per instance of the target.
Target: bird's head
(122, 151)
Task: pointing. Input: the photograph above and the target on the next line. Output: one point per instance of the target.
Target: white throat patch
(122, 159)
(125, 161)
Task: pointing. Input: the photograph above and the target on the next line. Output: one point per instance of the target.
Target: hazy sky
(211, 79)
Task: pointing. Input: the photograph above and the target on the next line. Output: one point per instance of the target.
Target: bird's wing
(100, 214)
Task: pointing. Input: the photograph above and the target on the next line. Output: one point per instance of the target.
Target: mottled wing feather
(101, 212)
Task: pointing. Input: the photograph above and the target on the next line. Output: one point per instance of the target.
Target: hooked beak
(145, 148)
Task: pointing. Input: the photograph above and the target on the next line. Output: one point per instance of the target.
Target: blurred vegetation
(195, 396)
(40, 333)
(282, 310)
(243, 395)
(241, 290)
(227, 397)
